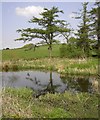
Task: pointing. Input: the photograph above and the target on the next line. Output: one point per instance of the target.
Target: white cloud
(72, 15)
(29, 11)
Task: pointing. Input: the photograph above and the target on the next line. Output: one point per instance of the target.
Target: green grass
(19, 103)
(21, 53)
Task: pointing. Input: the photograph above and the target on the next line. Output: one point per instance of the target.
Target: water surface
(48, 81)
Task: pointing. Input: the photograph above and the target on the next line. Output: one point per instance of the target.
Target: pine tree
(49, 27)
(83, 31)
(95, 24)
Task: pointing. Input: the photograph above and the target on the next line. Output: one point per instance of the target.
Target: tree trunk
(50, 50)
(51, 83)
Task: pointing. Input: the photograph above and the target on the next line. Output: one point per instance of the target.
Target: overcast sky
(16, 15)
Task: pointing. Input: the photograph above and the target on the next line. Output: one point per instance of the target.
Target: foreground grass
(19, 103)
(61, 65)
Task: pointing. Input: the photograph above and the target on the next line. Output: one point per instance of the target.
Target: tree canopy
(49, 27)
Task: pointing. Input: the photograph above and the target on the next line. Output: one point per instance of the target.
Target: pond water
(52, 82)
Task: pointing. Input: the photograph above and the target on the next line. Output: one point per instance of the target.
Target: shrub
(70, 51)
(63, 50)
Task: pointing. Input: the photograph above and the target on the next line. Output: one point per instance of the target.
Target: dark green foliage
(63, 50)
(72, 40)
(83, 32)
(95, 20)
(71, 51)
(95, 25)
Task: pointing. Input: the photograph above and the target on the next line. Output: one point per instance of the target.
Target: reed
(64, 66)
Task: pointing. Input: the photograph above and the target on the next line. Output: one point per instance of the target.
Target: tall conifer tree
(49, 27)
(83, 31)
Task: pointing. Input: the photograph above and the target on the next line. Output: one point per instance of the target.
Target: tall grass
(20, 103)
(66, 66)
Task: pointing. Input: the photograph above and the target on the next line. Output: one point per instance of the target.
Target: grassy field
(20, 103)
(24, 53)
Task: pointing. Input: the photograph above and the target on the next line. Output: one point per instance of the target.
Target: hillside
(26, 53)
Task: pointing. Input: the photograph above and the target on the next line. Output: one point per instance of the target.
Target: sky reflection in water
(48, 81)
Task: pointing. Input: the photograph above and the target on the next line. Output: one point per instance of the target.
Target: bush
(70, 51)
(63, 50)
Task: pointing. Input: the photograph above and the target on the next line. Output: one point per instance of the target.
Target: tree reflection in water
(78, 83)
(49, 88)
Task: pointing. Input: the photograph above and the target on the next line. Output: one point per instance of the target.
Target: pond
(43, 82)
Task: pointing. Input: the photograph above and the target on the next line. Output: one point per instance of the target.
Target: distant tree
(70, 50)
(63, 50)
(72, 40)
(30, 47)
(48, 28)
(83, 31)
(7, 48)
(66, 34)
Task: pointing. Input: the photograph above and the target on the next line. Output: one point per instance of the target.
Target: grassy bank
(23, 58)
(19, 103)
(61, 65)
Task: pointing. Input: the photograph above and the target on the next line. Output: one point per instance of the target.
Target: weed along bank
(60, 65)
